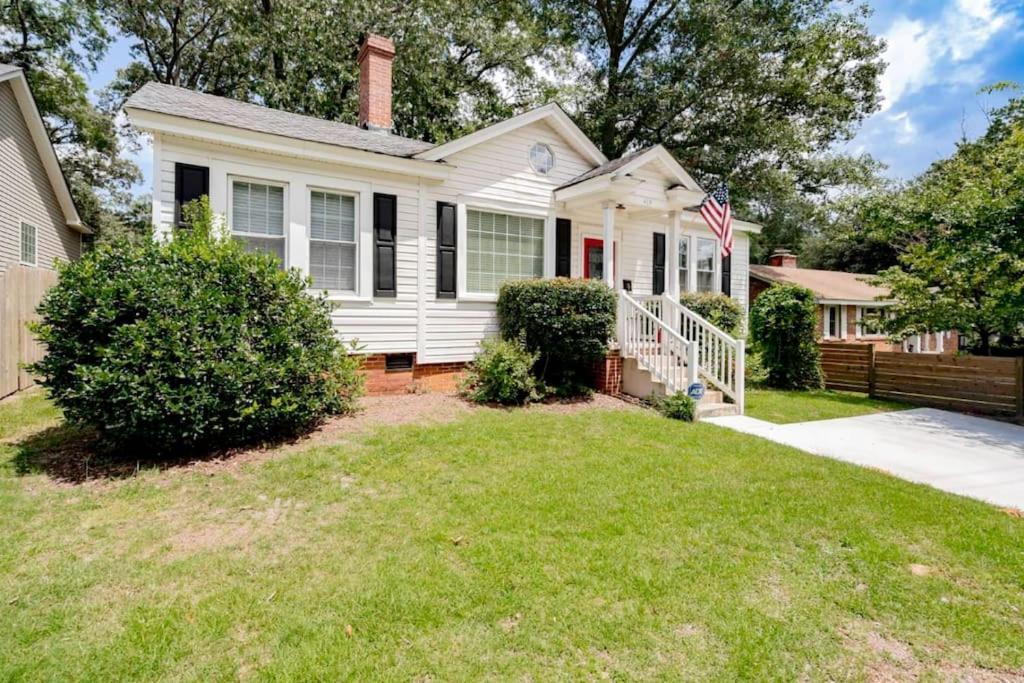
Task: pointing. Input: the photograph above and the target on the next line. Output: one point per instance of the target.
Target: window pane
(684, 264)
(332, 265)
(270, 245)
(28, 244)
(502, 247)
(705, 264)
(257, 209)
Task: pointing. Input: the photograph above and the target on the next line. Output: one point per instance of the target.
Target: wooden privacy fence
(21, 289)
(975, 384)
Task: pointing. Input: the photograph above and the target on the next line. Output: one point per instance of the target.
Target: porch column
(608, 255)
(673, 256)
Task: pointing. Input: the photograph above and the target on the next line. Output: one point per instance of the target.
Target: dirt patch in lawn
(72, 456)
(888, 660)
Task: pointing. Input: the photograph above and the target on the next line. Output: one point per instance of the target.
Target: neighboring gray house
(38, 225)
(38, 220)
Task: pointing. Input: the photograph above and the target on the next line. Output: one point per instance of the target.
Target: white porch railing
(655, 346)
(720, 357)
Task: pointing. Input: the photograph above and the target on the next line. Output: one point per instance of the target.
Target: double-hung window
(332, 241)
(833, 322)
(257, 216)
(706, 264)
(684, 263)
(870, 321)
(502, 247)
(29, 242)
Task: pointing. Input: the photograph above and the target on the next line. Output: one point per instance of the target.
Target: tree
(746, 91)
(784, 328)
(960, 227)
(54, 43)
(458, 65)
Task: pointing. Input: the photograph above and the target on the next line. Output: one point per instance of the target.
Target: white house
(412, 240)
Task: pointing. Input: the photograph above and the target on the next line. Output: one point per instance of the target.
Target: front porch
(636, 227)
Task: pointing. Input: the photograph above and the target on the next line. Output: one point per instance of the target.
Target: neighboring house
(848, 305)
(38, 224)
(412, 240)
(38, 219)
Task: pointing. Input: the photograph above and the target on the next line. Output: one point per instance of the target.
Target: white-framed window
(684, 263)
(257, 215)
(29, 244)
(833, 323)
(868, 320)
(333, 241)
(502, 246)
(705, 264)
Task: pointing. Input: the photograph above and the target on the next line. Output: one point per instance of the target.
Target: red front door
(593, 258)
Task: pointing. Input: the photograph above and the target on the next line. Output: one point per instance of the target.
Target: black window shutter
(447, 234)
(563, 249)
(385, 225)
(727, 275)
(190, 183)
(659, 263)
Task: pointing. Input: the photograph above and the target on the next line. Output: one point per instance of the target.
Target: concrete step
(705, 410)
(712, 396)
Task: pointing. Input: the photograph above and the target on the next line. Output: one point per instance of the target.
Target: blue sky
(939, 53)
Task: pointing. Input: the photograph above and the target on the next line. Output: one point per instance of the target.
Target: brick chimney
(782, 258)
(375, 55)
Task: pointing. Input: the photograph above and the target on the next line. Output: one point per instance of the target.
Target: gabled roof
(41, 139)
(827, 285)
(175, 101)
(634, 161)
(552, 114)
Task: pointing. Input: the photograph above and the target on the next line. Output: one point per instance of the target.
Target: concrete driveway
(971, 456)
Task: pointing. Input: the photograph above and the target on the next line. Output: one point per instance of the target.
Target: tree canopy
(960, 230)
(755, 93)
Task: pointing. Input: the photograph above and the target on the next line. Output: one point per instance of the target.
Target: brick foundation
(607, 374)
(434, 377)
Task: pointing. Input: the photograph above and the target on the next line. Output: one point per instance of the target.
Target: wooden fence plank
(21, 290)
(968, 383)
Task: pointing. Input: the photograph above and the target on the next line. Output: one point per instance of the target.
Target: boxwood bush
(501, 373)
(568, 323)
(720, 310)
(783, 324)
(190, 344)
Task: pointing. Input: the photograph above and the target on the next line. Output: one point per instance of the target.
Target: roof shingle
(826, 284)
(175, 101)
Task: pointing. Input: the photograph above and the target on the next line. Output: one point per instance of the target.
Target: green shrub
(722, 311)
(783, 324)
(754, 371)
(678, 406)
(190, 344)
(501, 373)
(567, 322)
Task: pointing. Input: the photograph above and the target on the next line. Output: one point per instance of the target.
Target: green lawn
(505, 545)
(783, 407)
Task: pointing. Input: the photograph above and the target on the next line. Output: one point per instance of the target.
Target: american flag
(718, 216)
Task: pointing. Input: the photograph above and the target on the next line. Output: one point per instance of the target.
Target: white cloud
(906, 131)
(921, 54)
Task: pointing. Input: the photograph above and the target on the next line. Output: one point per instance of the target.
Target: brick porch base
(607, 374)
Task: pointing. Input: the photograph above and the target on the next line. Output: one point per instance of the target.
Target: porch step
(705, 410)
(712, 396)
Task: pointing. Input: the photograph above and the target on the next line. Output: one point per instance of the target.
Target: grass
(506, 545)
(784, 407)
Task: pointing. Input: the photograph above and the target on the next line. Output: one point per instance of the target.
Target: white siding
(497, 172)
(379, 325)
